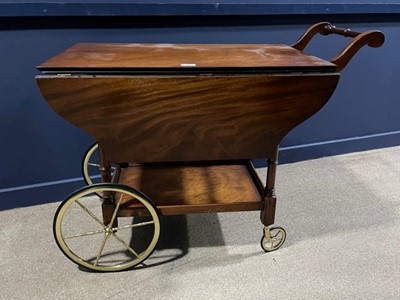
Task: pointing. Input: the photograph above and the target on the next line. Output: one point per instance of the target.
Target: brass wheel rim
(278, 237)
(86, 164)
(108, 232)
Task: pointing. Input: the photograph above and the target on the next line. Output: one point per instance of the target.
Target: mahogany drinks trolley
(176, 127)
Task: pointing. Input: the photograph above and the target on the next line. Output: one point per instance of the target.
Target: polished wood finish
(149, 119)
(268, 211)
(179, 103)
(183, 56)
(373, 38)
(194, 187)
(267, 215)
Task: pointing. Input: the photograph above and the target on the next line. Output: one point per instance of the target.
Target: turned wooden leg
(108, 205)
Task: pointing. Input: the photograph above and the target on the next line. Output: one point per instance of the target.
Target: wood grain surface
(193, 188)
(147, 56)
(193, 118)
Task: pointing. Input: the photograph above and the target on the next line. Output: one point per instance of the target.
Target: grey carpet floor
(341, 214)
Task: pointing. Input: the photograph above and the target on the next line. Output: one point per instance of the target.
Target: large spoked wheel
(273, 238)
(119, 244)
(91, 165)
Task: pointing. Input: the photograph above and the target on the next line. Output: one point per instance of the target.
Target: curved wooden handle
(329, 29)
(373, 38)
(309, 34)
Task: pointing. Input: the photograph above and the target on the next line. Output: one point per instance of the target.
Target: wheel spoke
(94, 165)
(134, 225)
(106, 236)
(116, 210)
(98, 165)
(83, 234)
(274, 241)
(125, 244)
(103, 247)
(268, 244)
(274, 236)
(91, 214)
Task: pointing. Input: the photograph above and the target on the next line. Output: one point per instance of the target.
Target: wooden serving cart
(176, 127)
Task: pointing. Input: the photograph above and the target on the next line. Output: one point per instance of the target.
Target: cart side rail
(373, 38)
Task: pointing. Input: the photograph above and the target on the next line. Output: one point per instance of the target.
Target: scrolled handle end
(376, 39)
(373, 39)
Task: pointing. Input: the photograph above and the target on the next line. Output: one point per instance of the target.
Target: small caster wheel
(273, 238)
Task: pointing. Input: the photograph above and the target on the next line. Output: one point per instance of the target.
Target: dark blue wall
(38, 147)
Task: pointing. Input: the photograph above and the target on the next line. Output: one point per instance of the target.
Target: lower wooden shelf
(194, 187)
